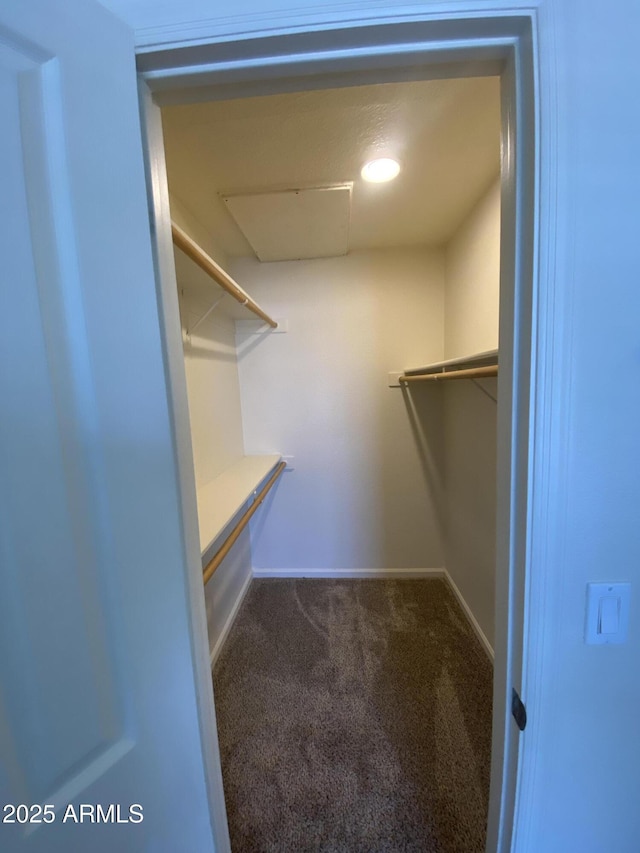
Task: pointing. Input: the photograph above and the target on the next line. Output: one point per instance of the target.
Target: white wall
(472, 269)
(582, 787)
(366, 489)
(472, 292)
(215, 415)
(210, 359)
(214, 397)
(469, 415)
(216, 432)
(224, 592)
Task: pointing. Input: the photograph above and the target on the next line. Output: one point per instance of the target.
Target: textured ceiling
(446, 134)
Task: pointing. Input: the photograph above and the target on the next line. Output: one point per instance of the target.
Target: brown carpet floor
(354, 715)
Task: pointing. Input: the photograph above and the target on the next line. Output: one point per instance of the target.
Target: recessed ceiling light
(378, 171)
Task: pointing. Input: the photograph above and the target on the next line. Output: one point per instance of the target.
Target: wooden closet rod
(468, 373)
(215, 561)
(191, 248)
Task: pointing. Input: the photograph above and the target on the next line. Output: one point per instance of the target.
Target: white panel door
(98, 704)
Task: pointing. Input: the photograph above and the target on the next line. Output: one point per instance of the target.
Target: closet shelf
(182, 240)
(221, 553)
(223, 497)
(484, 364)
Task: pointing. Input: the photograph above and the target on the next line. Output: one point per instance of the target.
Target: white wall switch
(607, 618)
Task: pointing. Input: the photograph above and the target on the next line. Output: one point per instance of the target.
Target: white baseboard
(222, 636)
(348, 573)
(486, 645)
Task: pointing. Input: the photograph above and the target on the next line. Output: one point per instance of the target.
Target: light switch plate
(607, 603)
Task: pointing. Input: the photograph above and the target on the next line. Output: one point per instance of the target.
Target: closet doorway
(250, 339)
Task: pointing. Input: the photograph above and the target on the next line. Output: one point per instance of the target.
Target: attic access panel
(293, 225)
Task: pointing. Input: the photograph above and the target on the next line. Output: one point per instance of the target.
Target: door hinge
(518, 710)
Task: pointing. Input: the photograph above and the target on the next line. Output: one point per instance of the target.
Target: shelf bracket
(205, 315)
(484, 390)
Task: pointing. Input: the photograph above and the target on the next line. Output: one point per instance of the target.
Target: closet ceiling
(445, 133)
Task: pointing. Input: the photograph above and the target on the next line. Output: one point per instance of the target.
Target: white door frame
(446, 46)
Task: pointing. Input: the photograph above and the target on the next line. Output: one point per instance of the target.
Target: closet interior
(340, 336)
(341, 353)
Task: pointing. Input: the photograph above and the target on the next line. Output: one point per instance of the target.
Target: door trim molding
(172, 353)
(246, 51)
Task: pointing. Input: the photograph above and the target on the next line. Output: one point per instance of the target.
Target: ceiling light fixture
(379, 171)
